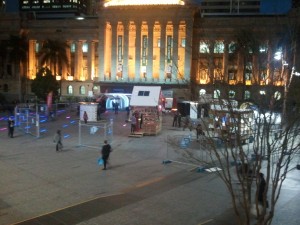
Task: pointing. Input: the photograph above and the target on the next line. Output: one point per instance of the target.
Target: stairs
(136, 134)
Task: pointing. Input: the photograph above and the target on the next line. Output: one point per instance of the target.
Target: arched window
(202, 92)
(277, 95)
(82, 90)
(217, 93)
(70, 89)
(231, 94)
(247, 95)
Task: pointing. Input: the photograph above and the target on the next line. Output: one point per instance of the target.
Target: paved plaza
(40, 186)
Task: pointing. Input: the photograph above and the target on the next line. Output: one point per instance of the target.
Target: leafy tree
(44, 83)
(54, 53)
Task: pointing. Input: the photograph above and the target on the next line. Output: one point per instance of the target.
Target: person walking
(199, 131)
(261, 190)
(85, 117)
(58, 141)
(175, 118)
(11, 127)
(106, 150)
(116, 107)
(133, 123)
(179, 120)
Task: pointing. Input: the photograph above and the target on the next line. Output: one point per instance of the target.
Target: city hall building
(187, 48)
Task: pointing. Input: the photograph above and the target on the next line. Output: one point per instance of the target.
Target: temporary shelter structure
(146, 105)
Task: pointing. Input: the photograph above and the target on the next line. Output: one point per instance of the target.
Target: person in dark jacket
(58, 141)
(11, 127)
(106, 150)
(261, 189)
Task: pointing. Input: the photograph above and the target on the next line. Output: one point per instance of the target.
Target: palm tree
(54, 53)
(17, 50)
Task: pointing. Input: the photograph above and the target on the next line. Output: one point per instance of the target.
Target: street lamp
(59, 78)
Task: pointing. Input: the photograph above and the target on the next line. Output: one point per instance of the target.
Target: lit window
(231, 94)
(262, 92)
(217, 93)
(158, 42)
(232, 47)
(82, 90)
(263, 48)
(202, 92)
(70, 90)
(85, 47)
(219, 47)
(183, 42)
(277, 95)
(247, 95)
(95, 88)
(37, 47)
(73, 47)
(204, 47)
(248, 76)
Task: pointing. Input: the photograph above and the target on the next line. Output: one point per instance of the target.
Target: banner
(49, 100)
(144, 50)
(169, 48)
(120, 48)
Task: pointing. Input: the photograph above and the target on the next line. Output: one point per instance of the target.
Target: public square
(42, 186)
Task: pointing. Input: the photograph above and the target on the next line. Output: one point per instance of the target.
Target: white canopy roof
(143, 2)
(145, 96)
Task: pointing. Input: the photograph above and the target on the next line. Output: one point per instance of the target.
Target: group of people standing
(177, 120)
(136, 121)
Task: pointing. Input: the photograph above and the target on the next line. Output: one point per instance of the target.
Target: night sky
(275, 6)
(267, 6)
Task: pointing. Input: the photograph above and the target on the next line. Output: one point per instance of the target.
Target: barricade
(28, 121)
(187, 150)
(93, 134)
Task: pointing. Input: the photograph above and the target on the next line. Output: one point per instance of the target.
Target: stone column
(32, 59)
(188, 50)
(91, 60)
(126, 51)
(162, 58)
(149, 73)
(101, 50)
(114, 44)
(138, 51)
(78, 61)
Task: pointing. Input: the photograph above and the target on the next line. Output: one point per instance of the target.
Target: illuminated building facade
(168, 43)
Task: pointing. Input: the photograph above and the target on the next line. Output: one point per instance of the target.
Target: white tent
(145, 96)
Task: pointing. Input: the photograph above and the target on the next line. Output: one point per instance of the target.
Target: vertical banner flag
(120, 48)
(144, 49)
(169, 48)
(49, 99)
